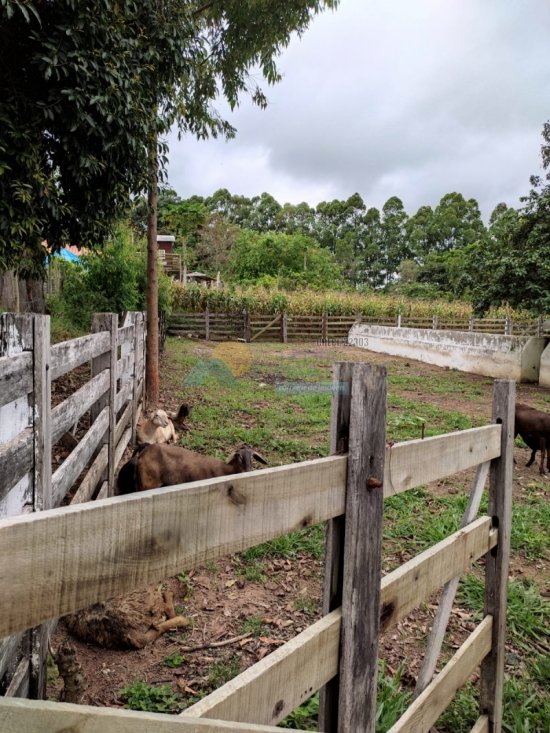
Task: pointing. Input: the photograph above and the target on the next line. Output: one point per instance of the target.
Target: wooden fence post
(246, 326)
(435, 321)
(540, 326)
(324, 327)
(363, 551)
(207, 325)
(508, 325)
(284, 328)
(42, 481)
(497, 560)
(398, 324)
(334, 538)
(471, 323)
(108, 360)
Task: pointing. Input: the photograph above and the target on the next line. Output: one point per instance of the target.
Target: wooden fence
(31, 430)
(57, 561)
(285, 327)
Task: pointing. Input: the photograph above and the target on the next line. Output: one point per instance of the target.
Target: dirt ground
(235, 621)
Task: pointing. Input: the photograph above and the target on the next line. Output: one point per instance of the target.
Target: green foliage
(293, 258)
(109, 280)
(83, 96)
(151, 698)
(174, 660)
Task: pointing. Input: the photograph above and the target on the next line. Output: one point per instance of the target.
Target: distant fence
(285, 327)
(31, 429)
(56, 562)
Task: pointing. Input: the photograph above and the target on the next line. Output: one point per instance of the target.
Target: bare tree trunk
(152, 357)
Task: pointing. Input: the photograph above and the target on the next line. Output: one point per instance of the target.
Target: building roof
(166, 238)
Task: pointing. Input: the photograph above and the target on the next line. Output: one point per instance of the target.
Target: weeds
(151, 698)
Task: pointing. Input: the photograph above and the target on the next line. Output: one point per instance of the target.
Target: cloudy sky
(413, 98)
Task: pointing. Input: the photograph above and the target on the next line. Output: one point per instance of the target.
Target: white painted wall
(508, 357)
(544, 376)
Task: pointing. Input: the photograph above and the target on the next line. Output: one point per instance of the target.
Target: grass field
(277, 398)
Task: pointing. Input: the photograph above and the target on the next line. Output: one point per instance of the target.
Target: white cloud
(414, 99)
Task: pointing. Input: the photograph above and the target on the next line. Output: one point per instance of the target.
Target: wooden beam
(415, 581)
(363, 551)
(42, 716)
(16, 459)
(68, 472)
(15, 376)
(496, 566)
(427, 708)
(417, 462)
(481, 725)
(68, 355)
(89, 483)
(123, 543)
(271, 689)
(446, 601)
(68, 412)
(283, 680)
(269, 325)
(334, 537)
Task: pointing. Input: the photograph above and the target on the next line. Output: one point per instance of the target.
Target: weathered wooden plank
(36, 674)
(363, 550)
(417, 462)
(416, 580)
(446, 601)
(16, 460)
(310, 660)
(57, 561)
(74, 464)
(68, 355)
(427, 708)
(124, 365)
(481, 725)
(70, 410)
(103, 493)
(122, 423)
(19, 683)
(88, 484)
(271, 689)
(15, 376)
(43, 716)
(496, 566)
(124, 395)
(8, 647)
(125, 335)
(122, 445)
(334, 537)
(42, 415)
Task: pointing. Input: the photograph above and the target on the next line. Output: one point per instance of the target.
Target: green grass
(288, 426)
(151, 698)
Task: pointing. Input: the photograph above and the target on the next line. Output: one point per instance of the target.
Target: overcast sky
(408, 98)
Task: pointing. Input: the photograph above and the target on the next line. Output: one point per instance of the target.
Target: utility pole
(152, 356)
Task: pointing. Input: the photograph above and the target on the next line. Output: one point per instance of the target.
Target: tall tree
(394, 219)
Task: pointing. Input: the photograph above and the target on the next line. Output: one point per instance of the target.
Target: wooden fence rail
(122, 543)
(31, 428)
(325, 327)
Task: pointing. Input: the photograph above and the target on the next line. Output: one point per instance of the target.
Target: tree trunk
(152, 357)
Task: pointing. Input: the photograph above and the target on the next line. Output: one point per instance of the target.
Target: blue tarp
(66, 254)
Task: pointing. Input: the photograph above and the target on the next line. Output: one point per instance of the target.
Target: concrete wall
(510, 357)
(544, 376)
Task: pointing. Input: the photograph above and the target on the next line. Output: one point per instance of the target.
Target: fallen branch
(212, 644)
